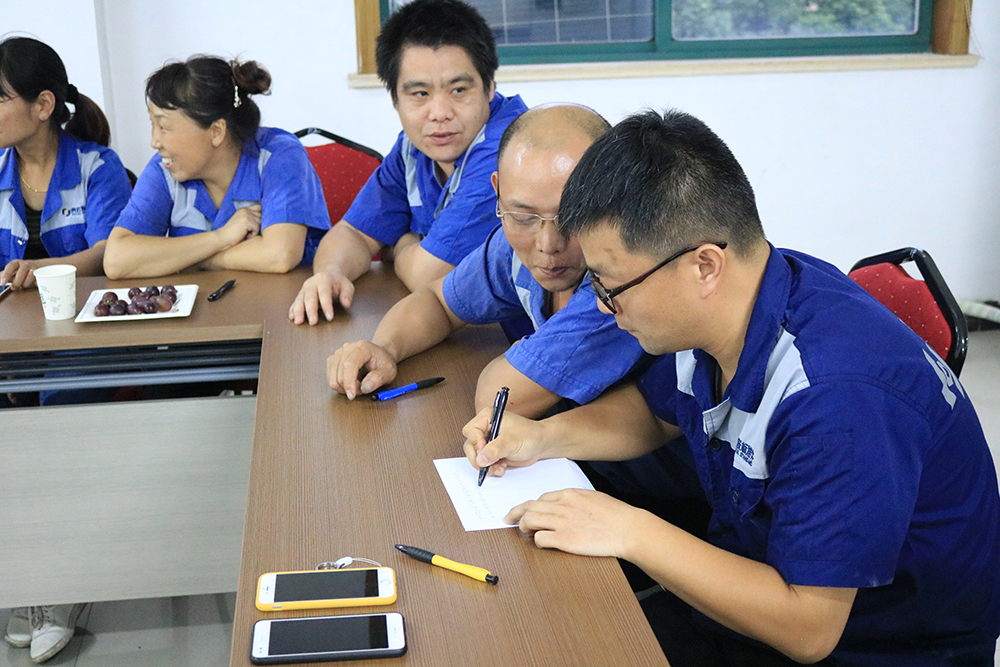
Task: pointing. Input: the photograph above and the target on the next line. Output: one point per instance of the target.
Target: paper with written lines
(484, 507)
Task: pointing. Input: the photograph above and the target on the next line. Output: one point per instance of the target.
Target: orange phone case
(325, 604)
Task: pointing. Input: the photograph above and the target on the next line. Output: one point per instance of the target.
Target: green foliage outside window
(748, 19)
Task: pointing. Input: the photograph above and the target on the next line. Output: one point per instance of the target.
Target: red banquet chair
(343, 167)
(926, 306)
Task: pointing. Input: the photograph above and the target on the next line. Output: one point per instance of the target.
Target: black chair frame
(340, 140)
(935, 282)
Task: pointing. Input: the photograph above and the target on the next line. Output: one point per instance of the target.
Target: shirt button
(735, 495)
(715, 444)
(20, 242)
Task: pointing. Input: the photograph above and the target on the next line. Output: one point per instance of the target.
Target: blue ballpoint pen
(499, 405)
(406, 388)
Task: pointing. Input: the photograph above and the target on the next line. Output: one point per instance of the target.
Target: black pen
(217, 294)
(499, 405)
(405, 389)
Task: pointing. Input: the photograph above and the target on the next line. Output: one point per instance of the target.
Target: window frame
(948, 32)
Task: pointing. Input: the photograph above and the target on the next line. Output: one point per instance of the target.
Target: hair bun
(72, 95)
(250, 77)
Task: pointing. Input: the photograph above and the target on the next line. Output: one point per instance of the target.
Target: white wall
(69, 27)
(844, 164)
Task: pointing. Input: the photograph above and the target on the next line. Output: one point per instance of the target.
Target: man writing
(855, 505)
(430, 201)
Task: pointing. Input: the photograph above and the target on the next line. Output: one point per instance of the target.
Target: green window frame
(667, 48)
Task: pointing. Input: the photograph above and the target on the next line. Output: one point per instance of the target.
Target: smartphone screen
(321, 635)
(315, 589)
(326, 585)
(328, 638)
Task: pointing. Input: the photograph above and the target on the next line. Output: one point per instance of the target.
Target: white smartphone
(318, 589)
(355, 637)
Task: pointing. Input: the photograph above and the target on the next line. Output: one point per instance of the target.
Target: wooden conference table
(327, 478)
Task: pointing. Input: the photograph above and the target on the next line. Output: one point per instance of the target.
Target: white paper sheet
(484, 507)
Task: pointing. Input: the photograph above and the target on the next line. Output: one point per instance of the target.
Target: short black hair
(664, 182)
(435, 23)
(207, 88)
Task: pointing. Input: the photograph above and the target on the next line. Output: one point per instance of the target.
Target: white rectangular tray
(182, 307)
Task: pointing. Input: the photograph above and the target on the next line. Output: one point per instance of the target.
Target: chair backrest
(927, 306)
(343, 167)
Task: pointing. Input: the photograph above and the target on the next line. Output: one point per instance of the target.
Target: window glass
(567, 21)
(566, 31)
(753, 19)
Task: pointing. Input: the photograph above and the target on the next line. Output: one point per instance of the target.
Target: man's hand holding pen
(519, 443)
(344, 365)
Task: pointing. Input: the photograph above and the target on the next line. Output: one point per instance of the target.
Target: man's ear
(711, 261)
(219, 130)
(495, 180)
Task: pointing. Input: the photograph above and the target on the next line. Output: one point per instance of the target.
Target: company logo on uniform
(76, 210)
(745, 451)
(948, 379)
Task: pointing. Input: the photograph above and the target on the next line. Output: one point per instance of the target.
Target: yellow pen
(476, 573)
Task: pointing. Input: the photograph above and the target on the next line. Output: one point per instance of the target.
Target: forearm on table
(416, 267)
(347, 250)
(278, 249)
(526, 398)
(617, 426)
(89, 262)
(130, 255)
(416, 323)
(803, 622)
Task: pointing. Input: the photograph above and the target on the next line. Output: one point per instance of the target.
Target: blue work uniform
(274, 171)
(87, 191)
(845, 453)
(576, 353)
(404, 194)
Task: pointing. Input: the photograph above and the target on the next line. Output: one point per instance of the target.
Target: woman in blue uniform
(61, 190)
(61, 187)
(221, 191)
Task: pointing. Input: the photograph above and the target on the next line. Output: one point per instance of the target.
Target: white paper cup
(57, 287)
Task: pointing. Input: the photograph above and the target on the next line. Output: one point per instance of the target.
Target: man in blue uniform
(525, 268)
(855, 506)
(430, 202)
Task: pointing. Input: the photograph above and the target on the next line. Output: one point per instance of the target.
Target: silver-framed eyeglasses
(607, 296)
(524, 222)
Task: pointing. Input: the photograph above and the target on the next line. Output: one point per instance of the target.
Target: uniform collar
(766, 322)
(8, 170)
(245, 186)
(66, 174)
(246, 182)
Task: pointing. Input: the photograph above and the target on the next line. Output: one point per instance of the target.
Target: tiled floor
(195, 631)
(163, 632)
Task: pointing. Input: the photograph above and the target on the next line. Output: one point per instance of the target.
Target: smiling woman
(221, 192)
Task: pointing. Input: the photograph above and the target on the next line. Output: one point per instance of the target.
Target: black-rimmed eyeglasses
(607, 296)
